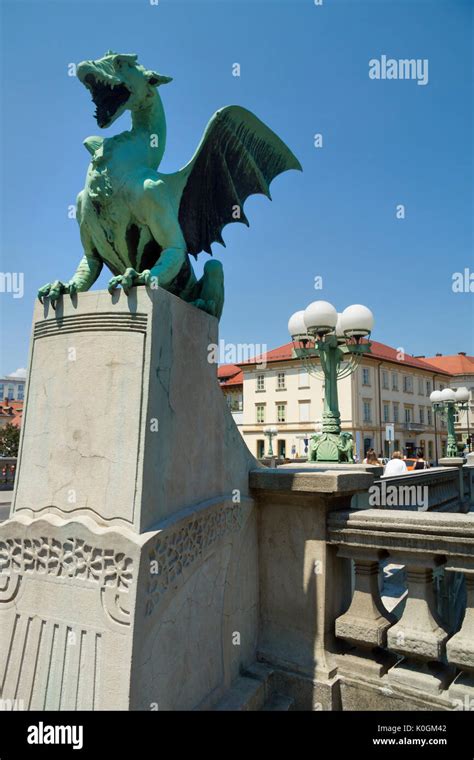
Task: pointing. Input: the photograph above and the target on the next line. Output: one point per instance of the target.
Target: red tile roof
(455, 365)
(382, 351)
(379, 351)
(15, 416)
(227, 370)
(230, 374)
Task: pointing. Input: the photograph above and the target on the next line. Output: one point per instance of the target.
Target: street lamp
(271, 432)
(319, 332)
(447, 402)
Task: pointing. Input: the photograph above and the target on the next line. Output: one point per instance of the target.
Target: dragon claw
(129, 279)
(54, 291)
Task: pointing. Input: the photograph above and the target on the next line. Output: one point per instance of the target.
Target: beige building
(461, 368)
(387, 388)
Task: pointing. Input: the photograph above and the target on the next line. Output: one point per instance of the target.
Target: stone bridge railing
(443, 489)
(327, 633)
(419, 652)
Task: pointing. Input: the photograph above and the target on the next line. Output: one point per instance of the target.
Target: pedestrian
(396, 466)
(421, 463)
(371, 458)
(369, 455)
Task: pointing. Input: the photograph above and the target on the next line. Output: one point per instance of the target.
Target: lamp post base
(331, 447)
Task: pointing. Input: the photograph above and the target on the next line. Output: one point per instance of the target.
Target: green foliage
(9, 440)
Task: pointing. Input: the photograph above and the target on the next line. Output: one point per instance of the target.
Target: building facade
(387, 388)
(231, 380)
(461, 368)
(12, 388)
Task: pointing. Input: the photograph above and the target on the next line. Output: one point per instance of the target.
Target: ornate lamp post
(447, 402)
(319, 332)
(271, 432)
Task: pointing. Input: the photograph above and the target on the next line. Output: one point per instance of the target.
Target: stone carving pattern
(175, 550)
(73, 558)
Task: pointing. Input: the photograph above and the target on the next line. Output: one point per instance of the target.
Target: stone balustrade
(440, 489)
(417, 657)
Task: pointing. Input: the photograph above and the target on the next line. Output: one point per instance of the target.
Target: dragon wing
(238, 156)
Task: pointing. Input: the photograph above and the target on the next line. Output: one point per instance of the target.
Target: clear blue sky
(304, 70)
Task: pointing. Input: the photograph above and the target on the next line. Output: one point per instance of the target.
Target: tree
(9, 440)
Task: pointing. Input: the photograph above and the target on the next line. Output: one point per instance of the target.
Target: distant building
(11, 412)
(231, 379)
(388, 387)
(12, 387)
(12, 394)
(461, 367)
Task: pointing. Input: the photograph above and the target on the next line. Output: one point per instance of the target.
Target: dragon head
(118, 83)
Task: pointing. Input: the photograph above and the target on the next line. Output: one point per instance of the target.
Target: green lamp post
(447, 402)
(271, 432)
(320, 333)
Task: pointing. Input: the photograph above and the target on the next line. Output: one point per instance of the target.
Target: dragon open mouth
(108, 98)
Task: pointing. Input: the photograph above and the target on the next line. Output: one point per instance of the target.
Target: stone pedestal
(129, 562)
(304, 585)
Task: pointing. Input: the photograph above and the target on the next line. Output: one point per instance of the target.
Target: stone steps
(246, 694)
(278, 702)
(251, 691)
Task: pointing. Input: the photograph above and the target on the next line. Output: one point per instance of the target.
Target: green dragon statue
(143, 224)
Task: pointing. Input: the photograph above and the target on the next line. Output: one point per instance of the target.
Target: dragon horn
(157, 79)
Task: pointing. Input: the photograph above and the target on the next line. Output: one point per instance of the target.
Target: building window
(429, 415)
(21, 392)
(11, 393)
(422, 415)
(420, 386)
(367, 411)
(386, 412)
(281, 448)
(428, 390)
(408, 383)
(281, 381)
(365, 376)
(303, 378)
(281, 412)
(385, 380)
(395, 412)
(394, 381)
(367, 445)
(260, 412)
(407, 414)
(441, 387)
(260, 382)
(304, 411)
(2, 391)
(260, 449)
